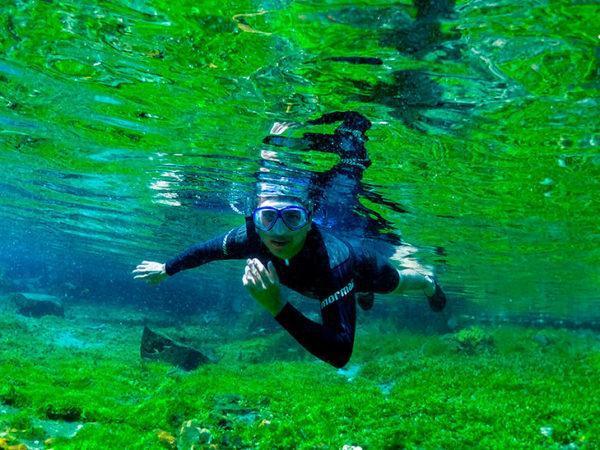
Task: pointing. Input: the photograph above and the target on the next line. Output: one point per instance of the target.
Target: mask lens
(265, 218)
(294, 217)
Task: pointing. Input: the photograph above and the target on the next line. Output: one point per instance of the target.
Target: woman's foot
(365, 300)
(437, 300)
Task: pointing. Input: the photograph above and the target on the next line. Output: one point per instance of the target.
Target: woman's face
(280, 240)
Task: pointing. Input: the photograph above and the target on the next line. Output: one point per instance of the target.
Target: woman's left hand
(263, 284)
(281, 127)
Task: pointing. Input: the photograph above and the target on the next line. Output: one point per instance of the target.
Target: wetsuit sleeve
(319, 141)
(331, 341)
(351, 120)
(331, 117)
(282, 141)
(231, 245)
(309, 141)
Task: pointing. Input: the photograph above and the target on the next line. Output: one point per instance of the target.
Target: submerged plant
(473, 340)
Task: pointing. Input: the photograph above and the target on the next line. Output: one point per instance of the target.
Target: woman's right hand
(151, 272)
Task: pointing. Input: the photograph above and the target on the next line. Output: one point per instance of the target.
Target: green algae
(529, 392)
(473, 340)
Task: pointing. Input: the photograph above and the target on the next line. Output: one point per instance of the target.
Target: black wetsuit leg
(373, 272)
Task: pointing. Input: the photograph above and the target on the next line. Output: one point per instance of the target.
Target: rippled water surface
(130, 129)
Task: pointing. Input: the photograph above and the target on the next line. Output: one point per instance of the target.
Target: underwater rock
(192, 435)
(472, 341)
(157, 347)
(542, 339)
(37, 305)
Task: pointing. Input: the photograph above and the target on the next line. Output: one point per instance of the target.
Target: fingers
(272, 273)
(248, 274)
(142, 267)
(252, 268)
(256, 273)
(259, 267)
(249, 279)
(265, 275)
(275, 129)
(148, 266)
(280, 127)
(151, 272)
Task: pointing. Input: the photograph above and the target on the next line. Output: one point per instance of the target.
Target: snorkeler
(282, 245)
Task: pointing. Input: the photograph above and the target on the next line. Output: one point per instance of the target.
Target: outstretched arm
(231, 245)
(336, 116)
(289, 142)
(276, 139)
(212, 250)
(351, 120)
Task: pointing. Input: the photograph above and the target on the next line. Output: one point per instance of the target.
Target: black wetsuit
(327, 269)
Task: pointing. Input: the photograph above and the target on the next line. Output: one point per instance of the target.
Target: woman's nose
(279, 227)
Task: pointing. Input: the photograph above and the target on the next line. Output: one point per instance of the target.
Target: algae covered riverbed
(79, 382)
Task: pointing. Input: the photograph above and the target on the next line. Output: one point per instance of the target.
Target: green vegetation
(473, 340)
(532, 389)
